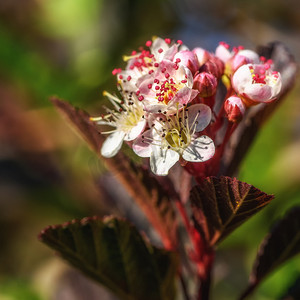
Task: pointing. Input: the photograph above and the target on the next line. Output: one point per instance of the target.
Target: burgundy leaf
(282, 243)
(112, 252)
(153, 199)
(221, 204)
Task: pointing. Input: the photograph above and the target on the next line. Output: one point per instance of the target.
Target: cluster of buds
(167, 109)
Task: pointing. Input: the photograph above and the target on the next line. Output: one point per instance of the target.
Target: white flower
(167, 89)
(256, 83)
(175, 136)
(127, 118)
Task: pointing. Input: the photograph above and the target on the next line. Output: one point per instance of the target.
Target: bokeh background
(48, 176)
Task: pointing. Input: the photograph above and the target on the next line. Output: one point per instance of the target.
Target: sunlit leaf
(112, 252)
(282, 243)
(152, 198)
(221, 204)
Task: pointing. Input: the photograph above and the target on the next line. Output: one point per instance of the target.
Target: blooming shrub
(190, 115)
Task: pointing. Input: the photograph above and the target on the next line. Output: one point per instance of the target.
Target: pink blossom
(256, 83)
(167, 89)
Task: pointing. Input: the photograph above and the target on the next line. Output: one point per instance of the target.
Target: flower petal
(201, 149)
(182, 97)
(241, 78)
(223, 53)
(258, 92)
(142, 145)
(112, 144)
(199, 116)
(162, 159)
(135, 131)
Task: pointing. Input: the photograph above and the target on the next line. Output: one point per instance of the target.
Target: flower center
(263, 75)
(177, 138)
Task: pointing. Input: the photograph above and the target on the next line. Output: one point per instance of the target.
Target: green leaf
(112, 252)
(221, 204)
(153, 199)
(282, 243)
(293, 292)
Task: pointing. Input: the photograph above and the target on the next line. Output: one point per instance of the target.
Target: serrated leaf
(257, 115)
(112, 252)
(221, 204)
(144, 188)
(282, 243)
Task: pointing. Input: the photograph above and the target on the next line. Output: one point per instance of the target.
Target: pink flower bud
(202, 55)
(213, 66)
(235, 108)
(206, 84)
(188, 59)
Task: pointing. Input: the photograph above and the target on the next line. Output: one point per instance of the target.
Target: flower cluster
(168, 109)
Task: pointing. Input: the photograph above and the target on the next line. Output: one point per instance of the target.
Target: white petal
(251, 55)
(199, 116)
(112, 144)
(242, 78)
(161, 160)
(201, 149)
(223, 53)
(258, 92)
(159, 43)
(142, 145)
(135, 131)
(276, 84)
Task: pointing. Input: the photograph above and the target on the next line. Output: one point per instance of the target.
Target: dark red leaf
(221, 204)
(112, 252)
(282, 243)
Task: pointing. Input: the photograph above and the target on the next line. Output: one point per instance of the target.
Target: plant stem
(204, 287)
(184, 288)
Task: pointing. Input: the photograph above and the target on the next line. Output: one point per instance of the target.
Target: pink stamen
(148, 43)
(168, 41)
(116, 71)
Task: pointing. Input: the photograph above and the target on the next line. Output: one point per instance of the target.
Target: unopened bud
(214, 66)
(235, 108)
(206, 84)
(188, 59)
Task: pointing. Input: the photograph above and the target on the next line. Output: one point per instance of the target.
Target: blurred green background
(48, 176)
